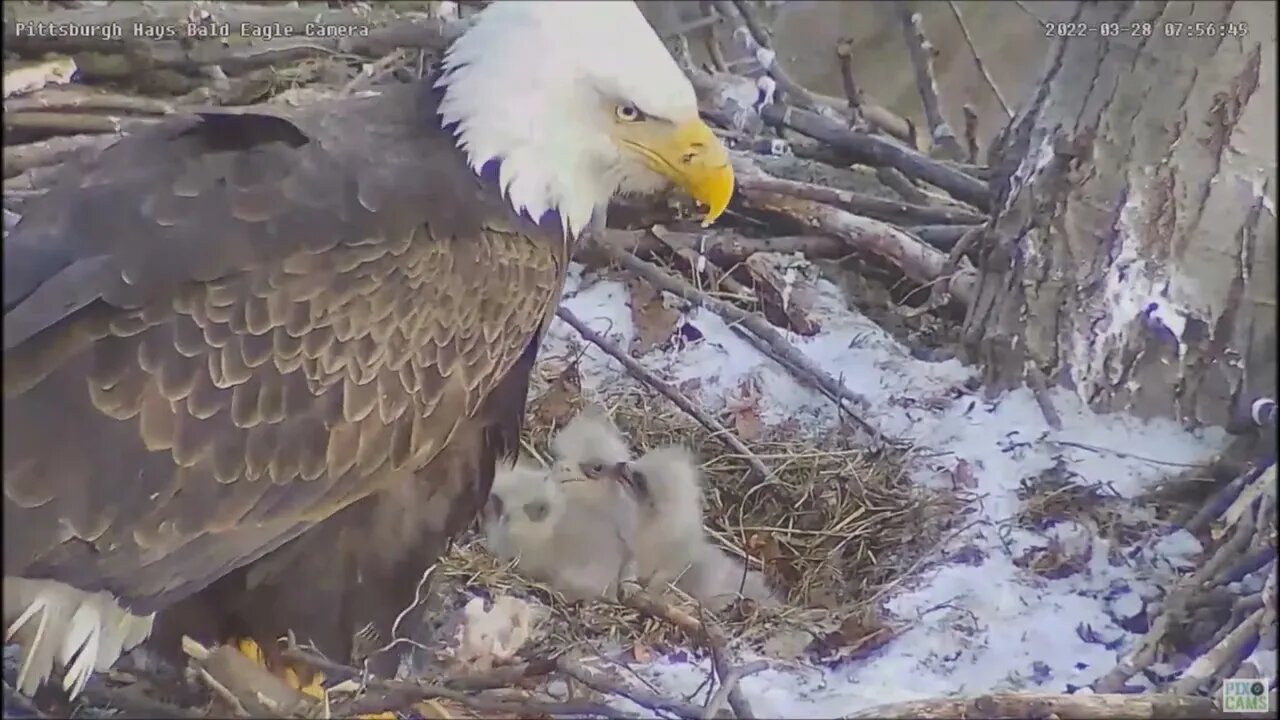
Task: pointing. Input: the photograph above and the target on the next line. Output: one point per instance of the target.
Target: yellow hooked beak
(692, 157)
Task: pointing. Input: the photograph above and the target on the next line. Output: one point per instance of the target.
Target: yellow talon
(315, 688)
(432, 710)
(250, 649)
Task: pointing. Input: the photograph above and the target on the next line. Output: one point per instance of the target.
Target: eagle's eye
(593, 470)
(627, 112)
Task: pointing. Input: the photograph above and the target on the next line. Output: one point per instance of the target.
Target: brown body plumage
(241, 325)
(259, 366)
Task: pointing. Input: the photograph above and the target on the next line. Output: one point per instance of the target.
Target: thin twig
(759, 327)
(376, 71)
(977, 59)
(709, 19)
(705, 631)
(728, 685)
(758, 45)
(671, 393)
(233, 702)
(378, 695)
(940, 293)
(643, 698)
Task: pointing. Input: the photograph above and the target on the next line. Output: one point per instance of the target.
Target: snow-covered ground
(974, 626)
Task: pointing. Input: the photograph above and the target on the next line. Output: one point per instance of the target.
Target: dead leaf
(776, 562)
(747, 425)
(561, 401)
(744, 410)
(784, 299)
(962, 476)
(653, 321)
(859, 635)
(641, 652)
(689, 388)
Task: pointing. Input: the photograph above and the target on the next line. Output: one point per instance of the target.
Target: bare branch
(942, 136)
(675, 396)
(880, 152)
(1066, 707)
(977, 59)
(764, 333)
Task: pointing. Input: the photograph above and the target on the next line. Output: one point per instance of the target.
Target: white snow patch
(972, 627)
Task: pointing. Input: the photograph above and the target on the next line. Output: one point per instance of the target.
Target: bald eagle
(259, 366)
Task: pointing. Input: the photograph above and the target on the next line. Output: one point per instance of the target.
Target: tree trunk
(1133, 252)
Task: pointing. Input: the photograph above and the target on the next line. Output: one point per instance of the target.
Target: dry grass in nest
(1055, 497)
(834, 527)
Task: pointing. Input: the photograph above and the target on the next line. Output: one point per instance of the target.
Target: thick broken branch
(21, 158)
(81, 98)
(942, 137)
(899, 213)
(1065, 707)
(880, 152)
(919, 262)
(70, 123)
(860, 108)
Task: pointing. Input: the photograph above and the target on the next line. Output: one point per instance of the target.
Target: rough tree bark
(1133, 251)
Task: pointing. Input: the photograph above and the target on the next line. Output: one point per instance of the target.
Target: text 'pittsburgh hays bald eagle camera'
(259, 367)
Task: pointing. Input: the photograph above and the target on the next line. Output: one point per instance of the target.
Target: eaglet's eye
(536, 511)
(627, 112)
(593, 470)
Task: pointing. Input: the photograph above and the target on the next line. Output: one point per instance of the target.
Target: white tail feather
(80, 646)
(82, 632)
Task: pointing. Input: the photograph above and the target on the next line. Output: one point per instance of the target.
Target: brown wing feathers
(265, 349)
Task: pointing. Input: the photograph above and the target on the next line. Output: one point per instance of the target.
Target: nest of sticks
(834, 526)
(833, 520)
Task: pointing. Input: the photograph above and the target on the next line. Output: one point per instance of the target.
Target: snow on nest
(974, 626)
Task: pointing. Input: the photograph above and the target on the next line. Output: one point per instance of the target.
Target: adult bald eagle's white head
(578, 102)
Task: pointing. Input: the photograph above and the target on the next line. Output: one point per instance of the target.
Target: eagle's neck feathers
(528, 132)
(533, 86)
